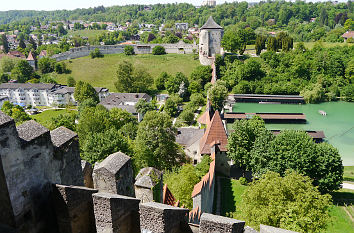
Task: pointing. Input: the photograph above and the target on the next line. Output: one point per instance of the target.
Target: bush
(96, 53)
(129, 50)
(243, 181)
(187, 116)
(158, 50)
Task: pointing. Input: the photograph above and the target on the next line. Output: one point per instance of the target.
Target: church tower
(210, 41)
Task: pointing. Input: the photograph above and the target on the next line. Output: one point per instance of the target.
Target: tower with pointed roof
(30, 59)
(210, 41)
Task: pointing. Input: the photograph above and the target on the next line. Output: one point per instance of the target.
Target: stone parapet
(116, 214)
(210, 223)
(160, 218)
(269, 229)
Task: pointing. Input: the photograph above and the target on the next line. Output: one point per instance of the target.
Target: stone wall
(178, 48)
(31, 161)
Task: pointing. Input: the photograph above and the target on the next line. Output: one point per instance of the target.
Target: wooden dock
(230, 117)
(253, 98)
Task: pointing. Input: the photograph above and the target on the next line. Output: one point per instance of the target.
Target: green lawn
(100, 72)
(349, 173)
(231, 195)
(90, 34)
(309, 45)
(44, 117)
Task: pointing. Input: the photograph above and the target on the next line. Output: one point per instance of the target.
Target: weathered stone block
(210, 223)
(160, 218)
(269, 229)
(87, 171)
(74, 209)
(66, 149)
(148, 185)
(115, 213)
(115, 175)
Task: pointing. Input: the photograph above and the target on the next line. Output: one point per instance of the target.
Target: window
(195, 162)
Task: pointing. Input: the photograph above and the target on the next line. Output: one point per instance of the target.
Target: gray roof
(65, 90)
(113, 163)
(210, 24)
(28, 86)
(3, 97)
(148, 177)
(128, 108)
(187, 136)
(4, 119)
(31, 130)
(119, 98)
(61, 135)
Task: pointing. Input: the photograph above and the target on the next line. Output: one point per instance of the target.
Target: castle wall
(178, 48)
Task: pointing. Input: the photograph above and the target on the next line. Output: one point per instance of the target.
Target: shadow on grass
(343, 198)
(228, 203)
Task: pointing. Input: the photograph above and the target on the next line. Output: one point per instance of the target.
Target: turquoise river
(338, 125)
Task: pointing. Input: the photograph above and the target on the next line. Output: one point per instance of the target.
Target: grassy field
(343, 202)
(349, 173)
(100, 72)
(44, 117)
(90, 34)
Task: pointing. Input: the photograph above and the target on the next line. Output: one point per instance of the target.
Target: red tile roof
(215, 132)
(30, 57)
(43, 53)
(207, 180)
(348, 34)
(168, 198)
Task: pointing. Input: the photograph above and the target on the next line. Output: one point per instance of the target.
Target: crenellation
(74, 208)
(210, 223)
(115, 213)
(31, 130)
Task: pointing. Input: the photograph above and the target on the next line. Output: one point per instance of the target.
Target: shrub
(243, 181)
(129, 50)
(96, 53)
(158, 50)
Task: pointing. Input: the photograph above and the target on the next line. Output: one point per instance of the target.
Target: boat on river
(323, 113)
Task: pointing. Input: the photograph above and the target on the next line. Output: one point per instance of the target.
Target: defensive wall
(178, 48)
(42, 190)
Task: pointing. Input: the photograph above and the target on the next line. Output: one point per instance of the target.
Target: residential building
(209, 3)
(126, 101)
(42, 54)
(181, 26)
(41, 94)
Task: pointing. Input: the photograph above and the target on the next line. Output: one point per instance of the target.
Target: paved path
(348, 186)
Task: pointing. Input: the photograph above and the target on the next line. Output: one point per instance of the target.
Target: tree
(171, 107)
(313, 93)
(142, 106)
(323, 17)
(187, 116)
(155, 144)
(235, 40)
(70, 81)
(217, 95)
(129, 50)
(242, 139)
(7, 64)
(160, 80)
(84, 91)
(4, 78)
(289, 202)
(15, 111)
(32, 42)
(260, 44)
(181, 183)
(203, 167)
(46, 65)
(4, 43)
(131, 80)
(201, 74)
(158, 50)
(296, 150)
(272, 44)
(22, 44)
(22, 71)
(67, 120)
(96, 53)
(173, 84)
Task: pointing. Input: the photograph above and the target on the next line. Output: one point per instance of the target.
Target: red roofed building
(215, 133)
(30, 59)
(43, 54)
(348, 35)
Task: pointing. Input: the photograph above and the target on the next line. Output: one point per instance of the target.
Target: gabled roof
(43, 53)
(148, 177)
(210, 24)
(215, 133)
(30, 56)
(113, 163)
(61, 135)
(5, 119)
